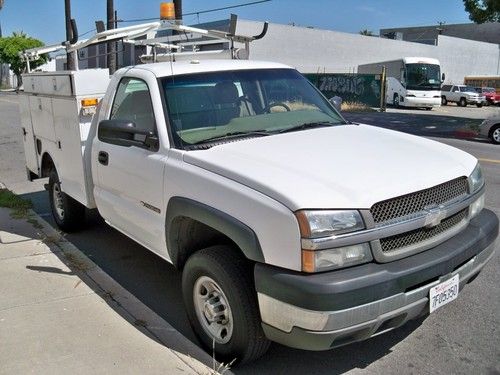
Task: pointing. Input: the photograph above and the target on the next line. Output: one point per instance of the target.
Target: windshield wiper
(308, 125)
(232, 135)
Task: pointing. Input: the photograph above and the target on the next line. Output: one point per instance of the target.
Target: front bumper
(322, 311)
(476, 100)
(413, 101)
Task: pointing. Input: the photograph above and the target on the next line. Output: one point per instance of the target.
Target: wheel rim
(213, 310)
(496, 135)
(396, 101)
(58, 200)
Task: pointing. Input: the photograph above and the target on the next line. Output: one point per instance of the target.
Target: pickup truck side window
(133, 102)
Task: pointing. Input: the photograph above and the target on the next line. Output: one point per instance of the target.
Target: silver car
(491, 128)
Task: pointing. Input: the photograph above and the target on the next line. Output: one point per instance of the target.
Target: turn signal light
(90, 102)
(308, 261)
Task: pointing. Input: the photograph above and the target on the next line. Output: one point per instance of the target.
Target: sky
(44, 19)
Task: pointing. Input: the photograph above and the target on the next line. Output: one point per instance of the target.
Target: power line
(200, 12)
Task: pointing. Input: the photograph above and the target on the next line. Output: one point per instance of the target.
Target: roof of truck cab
(163, 69)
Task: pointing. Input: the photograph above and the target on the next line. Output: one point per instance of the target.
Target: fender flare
(241, 234)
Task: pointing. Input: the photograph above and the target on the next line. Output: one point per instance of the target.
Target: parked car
(462, 95)
(491, 128)
(491, 95)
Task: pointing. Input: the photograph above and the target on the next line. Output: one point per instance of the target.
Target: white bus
(411, 81)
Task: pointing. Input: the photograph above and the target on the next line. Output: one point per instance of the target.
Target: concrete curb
(126, 304)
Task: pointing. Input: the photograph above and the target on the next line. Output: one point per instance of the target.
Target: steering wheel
(268, 107)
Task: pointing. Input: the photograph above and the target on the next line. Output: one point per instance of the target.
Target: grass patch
(355, 107)
(18, 205)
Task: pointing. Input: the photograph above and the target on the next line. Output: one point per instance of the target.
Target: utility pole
(70, 57)
(111, 46)
(1, 63)
(178, 10)
(178, 14)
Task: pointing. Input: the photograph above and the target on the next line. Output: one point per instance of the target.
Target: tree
(481, 11)
(9, 53)
(366, 32)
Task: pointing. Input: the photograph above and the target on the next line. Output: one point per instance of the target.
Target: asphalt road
(461, 338)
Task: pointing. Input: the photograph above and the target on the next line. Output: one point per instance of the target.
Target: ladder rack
(175, 46)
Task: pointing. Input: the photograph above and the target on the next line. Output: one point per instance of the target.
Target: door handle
(103, 158)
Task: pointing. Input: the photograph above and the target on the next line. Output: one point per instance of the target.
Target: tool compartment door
(29, 142)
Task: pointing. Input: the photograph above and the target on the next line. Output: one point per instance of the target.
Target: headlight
(329, 259)
(324, 223)
(476, 180)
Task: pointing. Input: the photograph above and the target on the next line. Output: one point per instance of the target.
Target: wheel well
(47, 165)
(189, 236)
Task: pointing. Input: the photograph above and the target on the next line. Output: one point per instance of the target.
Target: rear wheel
(428, 108)
(67, 212)
(462, 102)
(495, 134)
(221, 303)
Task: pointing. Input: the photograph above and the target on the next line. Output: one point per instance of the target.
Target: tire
(444, 101)
(395, 100)
(221, 274)
(428, 108)
(479, 105)
(495, 134)
(462, 102)
(67, 212)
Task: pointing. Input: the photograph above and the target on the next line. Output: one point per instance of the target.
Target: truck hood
(346, 166)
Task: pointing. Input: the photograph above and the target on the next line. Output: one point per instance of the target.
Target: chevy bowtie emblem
(434, 216)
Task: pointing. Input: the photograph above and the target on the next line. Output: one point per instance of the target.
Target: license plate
(443, 293)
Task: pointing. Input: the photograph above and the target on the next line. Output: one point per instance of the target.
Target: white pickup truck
(462, 95)
(288, 222)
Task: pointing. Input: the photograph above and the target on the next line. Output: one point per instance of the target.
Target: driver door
(129, 186)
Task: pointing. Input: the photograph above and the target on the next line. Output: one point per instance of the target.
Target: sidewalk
(60, 313)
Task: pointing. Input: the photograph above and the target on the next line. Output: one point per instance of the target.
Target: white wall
(315, 50)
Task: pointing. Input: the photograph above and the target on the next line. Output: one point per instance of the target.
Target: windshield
(209, 106)
(467, 89)
(423, 77)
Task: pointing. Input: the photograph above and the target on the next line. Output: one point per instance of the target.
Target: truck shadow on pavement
(152, 280)
(157, 284)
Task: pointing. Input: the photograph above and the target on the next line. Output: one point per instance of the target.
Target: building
(487, 32)
(315, 50)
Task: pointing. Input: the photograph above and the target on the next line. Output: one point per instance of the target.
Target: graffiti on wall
(363, 88)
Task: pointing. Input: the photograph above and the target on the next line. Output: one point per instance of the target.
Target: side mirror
(336, 101)
(443, 77)
(124, 132)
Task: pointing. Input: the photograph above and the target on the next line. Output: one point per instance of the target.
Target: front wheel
(462, 102)
(395, 100)
(479, 105)
(444, 101)
(67, 212)
(221, 303)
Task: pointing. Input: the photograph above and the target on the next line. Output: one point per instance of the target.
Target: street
(462, 337)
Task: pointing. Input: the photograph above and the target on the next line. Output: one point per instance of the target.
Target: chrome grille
(403, 240)
(412, 203)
